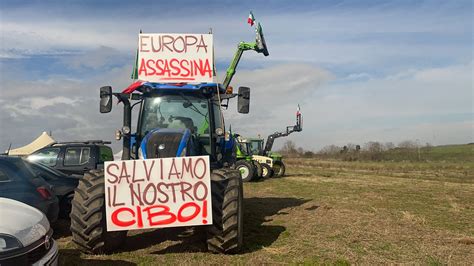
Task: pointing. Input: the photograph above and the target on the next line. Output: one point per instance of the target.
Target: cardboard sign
(155, 193)
(169, 58)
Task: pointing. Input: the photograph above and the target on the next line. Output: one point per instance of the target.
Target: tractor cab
(175, 120)
(255, 145)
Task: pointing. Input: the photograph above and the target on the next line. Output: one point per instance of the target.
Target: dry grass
(330, 213)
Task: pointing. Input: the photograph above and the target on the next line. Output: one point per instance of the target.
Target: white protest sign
(156, 193)
(169, 58)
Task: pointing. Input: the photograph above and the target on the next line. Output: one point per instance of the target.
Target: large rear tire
(246, 169)
(279, 169)
(88, 219)
(225, 235)
(267, 171)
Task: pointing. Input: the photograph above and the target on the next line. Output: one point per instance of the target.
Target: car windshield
(175, 111)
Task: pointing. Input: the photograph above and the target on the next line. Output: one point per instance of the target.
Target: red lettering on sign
(158, 215)
(119, 222)
(165, 211)
(183, 218)
(175, 68)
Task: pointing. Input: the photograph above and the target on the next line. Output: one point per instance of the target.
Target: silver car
(25, 235)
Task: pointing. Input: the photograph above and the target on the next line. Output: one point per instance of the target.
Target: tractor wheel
(279, 170)
(258, 171)
(267, 171)
(246, 169)
(225, 235)
(88, 220)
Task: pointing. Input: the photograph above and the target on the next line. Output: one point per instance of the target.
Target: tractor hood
(275, 156)
(165, 142)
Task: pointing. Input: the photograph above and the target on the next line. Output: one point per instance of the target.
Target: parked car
(62, 186)
(19, 182)
(25, 236)
(74, 157)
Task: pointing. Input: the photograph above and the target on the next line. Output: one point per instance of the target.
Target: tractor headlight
(219, 131)
(8, 243)
(126, 130)
(118, 134)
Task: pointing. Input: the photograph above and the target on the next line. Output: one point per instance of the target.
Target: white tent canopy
(42, 141)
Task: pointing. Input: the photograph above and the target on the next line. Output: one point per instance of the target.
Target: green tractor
(263, 162)
(174, 120)
(250, 169)
(257, 147)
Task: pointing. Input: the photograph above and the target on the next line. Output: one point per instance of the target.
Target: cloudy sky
(361, 70)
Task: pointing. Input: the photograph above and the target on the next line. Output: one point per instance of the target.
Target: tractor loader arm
(289, 129)
(259, 46)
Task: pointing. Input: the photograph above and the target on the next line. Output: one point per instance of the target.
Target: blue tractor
(174, 120)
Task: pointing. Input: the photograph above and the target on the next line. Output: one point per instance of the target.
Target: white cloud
(431, 105)
(335, 36)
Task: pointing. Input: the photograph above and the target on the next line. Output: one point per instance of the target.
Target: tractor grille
(168, 141)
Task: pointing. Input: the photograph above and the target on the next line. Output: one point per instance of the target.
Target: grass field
(330, 212)
(447, 153)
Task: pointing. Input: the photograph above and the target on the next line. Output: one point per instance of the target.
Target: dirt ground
(327, 212)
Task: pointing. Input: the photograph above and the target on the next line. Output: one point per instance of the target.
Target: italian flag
(251, 19)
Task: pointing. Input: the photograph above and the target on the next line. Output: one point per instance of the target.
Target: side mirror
(260, 40)
(243, 102)
(105, 99)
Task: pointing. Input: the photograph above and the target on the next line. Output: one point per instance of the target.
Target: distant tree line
(372, 151)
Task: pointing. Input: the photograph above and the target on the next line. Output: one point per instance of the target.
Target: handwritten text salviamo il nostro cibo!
(158, 193)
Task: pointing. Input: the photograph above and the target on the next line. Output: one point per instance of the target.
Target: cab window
(77, 156)
(105, 154)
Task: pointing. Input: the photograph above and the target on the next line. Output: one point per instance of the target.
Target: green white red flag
(251, 19)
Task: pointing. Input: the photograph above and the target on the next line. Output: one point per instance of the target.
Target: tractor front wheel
(225, 235)
(266, 171)
(88, 220)
(246, 169)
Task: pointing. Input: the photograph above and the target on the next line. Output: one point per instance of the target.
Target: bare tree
(289, 148)
(389, 146)
(407, 144)
(300, 151)
(374, 150)
(330, 150)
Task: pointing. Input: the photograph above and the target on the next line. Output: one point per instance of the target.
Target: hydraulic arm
(289, 129)
(243, 46)
(259, 46)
